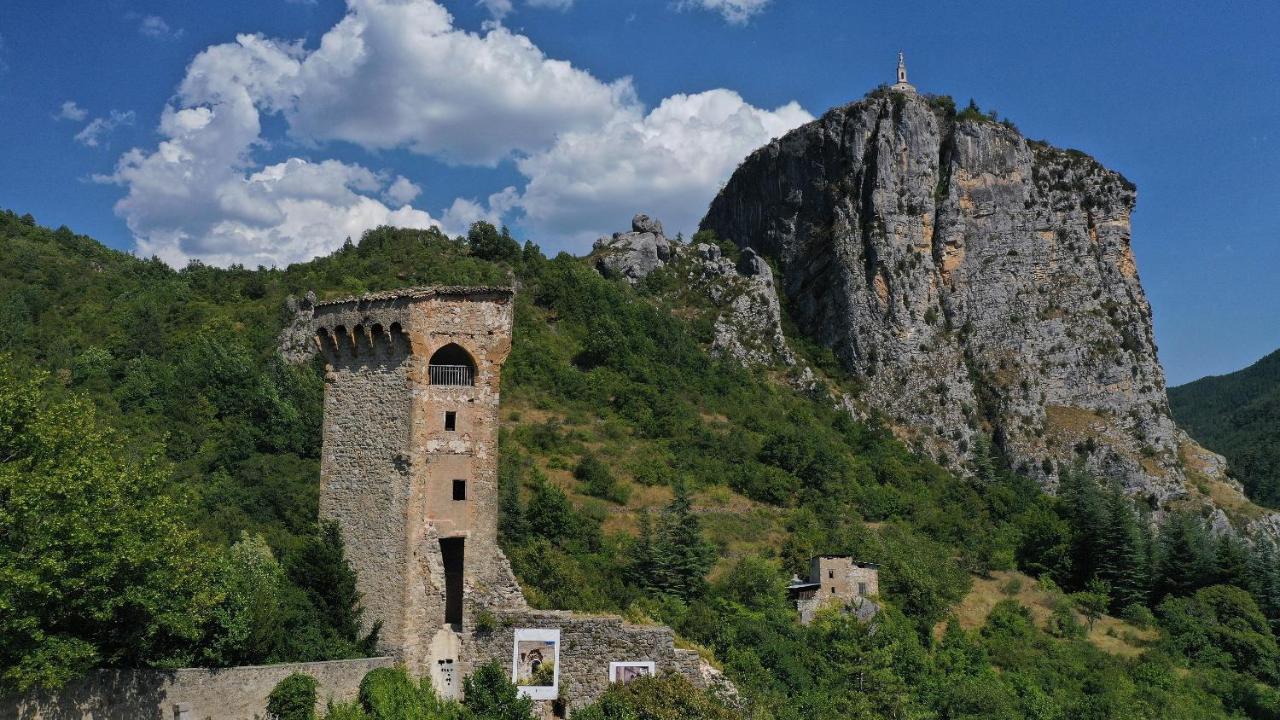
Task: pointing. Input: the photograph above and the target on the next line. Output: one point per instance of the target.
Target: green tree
(320, 569)
(98, 568)
(490, 695)
(1122, 549)
(681, 555)
(1093, 601)
(488, 243)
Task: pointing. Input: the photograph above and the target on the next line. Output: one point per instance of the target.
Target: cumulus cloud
(669, 162)
(401, 191)
(98, 129)
(71, 111)
(155, 27)
(737, 12)
(397, 74)
(197, 195)
(464, 211)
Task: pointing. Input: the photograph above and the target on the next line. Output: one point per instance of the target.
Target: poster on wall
(536, 663)
(625, 672)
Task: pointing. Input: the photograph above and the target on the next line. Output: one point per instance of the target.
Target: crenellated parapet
(380, 325)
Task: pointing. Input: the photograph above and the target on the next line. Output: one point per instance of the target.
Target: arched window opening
(451, 365)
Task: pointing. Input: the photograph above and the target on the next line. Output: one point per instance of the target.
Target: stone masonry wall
(188, 694)
(587, 645)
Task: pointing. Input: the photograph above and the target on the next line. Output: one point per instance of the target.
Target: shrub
(485, 622)
(492, 696)
(667, 697)
(293, 698)
(390, 694)
(598, 481)
(1138, 614)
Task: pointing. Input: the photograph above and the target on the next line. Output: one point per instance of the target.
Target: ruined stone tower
(409, 466)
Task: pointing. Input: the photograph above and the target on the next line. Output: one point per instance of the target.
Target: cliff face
(975, 281)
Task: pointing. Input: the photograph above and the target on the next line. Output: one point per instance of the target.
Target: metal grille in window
(452, 375)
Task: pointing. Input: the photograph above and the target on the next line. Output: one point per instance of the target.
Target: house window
(459, 489)
(831, 574)
(450, 421)
(862, 589)
(833, 591)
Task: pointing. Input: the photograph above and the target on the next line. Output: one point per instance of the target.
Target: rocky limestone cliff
(976, 282)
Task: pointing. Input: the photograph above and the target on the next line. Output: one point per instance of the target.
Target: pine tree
(678, 557)
(1122, 556)
(1231, 561)
(512, 525)
(1184, 561)
(320, 568)
(1082, 506)
(641, 566)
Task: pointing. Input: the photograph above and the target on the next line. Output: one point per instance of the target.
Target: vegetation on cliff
(729, 470)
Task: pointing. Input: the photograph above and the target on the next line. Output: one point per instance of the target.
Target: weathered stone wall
(587, 645)
(188, 694)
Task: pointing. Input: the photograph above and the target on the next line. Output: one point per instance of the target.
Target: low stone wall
(238, 693)
(588, 643)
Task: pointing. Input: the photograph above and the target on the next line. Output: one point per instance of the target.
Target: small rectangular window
(862, 589)
(831, 574)
(833, 591)
(459, 489)
(450, 421)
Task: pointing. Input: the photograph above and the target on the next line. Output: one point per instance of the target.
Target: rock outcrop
(748, 326)
(978, 283)
(633, 255)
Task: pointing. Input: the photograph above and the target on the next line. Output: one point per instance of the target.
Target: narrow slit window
(459, 489)
(450, 420)
(831, 574)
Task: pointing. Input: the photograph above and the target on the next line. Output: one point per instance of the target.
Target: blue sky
(563, 117)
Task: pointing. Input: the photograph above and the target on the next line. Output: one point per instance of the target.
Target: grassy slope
(1238, 416)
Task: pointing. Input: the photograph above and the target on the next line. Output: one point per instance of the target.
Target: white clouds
(197, 195)
(668, 163)
(459, 216)
(155, 27)
(737, 12)
(71, 111)
(402, 191)
(396, 74)
(96, 131)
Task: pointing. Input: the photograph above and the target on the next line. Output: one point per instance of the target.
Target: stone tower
(409, 466)
(902, 85)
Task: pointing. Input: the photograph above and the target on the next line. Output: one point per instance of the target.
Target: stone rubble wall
(238, 693)
(588, 643)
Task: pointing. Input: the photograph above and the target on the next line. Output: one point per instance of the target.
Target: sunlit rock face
(976, 282)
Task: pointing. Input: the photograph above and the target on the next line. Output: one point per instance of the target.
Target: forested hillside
(159, 470)
(1238, 416)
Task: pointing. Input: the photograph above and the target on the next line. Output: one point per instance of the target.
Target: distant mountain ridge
(1238, 416)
